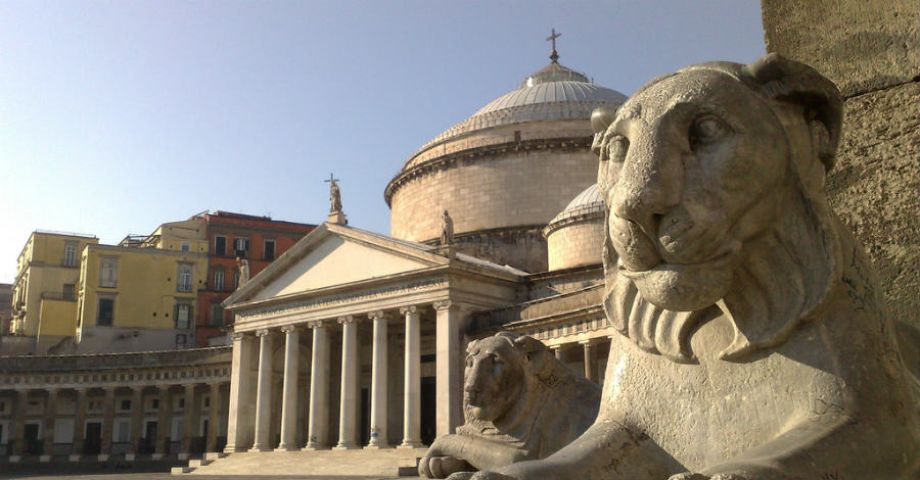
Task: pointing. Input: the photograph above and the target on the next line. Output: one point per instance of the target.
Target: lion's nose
(649, 186)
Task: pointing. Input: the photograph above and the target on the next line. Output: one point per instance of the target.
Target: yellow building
(134, 298)
(73, 294)
(44, 292)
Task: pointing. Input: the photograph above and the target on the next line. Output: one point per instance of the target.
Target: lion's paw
(688, 476)
(435, 466)
(479, 476)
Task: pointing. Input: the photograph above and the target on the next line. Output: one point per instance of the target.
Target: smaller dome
(589, 202)
(575, 237)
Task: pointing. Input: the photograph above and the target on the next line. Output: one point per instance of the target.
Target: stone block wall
(515, 189)
(871, 50)
(576, 245)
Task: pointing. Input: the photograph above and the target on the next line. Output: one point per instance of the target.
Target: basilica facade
(355, 339)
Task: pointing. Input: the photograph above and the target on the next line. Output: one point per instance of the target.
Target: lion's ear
(534, 351)
(472, 345)
(787, 80)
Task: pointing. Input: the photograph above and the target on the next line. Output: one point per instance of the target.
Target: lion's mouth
(681, 247)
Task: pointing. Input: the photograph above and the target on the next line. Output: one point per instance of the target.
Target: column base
(102, 457)
(15, 458)
(259, 448)
(376, 446)
(73, 458)
(130, 457)
(234, 449)
(183, 456)
(346, 446)
(158, 456)
(44, 458)
(313, 446)
(409, 444)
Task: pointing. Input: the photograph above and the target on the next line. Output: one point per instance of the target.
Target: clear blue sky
(116, 116)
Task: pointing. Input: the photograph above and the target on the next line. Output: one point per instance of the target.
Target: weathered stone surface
(754, 340)
(875, 188)
(520, 403)
(860, 45)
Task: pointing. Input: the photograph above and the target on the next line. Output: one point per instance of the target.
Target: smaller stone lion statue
(520, 403)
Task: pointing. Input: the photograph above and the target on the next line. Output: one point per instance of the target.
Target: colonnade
(18, 446)
(250, 429)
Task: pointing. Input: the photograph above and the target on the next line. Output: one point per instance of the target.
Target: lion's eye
(616, 148)
(707, 129)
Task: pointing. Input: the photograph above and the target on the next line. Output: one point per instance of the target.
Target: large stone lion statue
(519, 402)
(755, 344)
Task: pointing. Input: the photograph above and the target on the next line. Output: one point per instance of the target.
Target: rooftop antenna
(554, 56)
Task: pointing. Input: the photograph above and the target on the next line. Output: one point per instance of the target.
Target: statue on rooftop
(754, 342)
(520, 403)
(243, 266)
(447, 229)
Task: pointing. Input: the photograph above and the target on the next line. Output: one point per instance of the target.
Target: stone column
(348, 415)
(164, 422)
(378, 433)
(318, 420)
(240, 415)
(108, 423)
(213, 418)
(412, 406)
(190, 421)
(557, 351)
(263, 393)
(17, 438)
(137, 421)
(48, 426)
(79, 425)
(588, 347)
(289, 390)
(449, 364)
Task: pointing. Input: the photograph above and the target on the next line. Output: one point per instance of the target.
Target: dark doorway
(429, 410)
(149, 442)
(30, 436)
(364, 426)
(93, 443)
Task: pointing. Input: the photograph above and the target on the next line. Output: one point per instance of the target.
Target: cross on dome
(554, 56)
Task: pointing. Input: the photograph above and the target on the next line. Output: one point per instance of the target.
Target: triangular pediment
(332, 256)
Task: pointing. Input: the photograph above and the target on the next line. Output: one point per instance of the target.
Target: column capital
(235, 336)
(443, 305)
(346, 319)
(138, 388)
(53, 390)
(81, 390)
(289, 328)
(316, 324)
(377, 314)
(188, 386)
(409, 309)
(163, 387)
(589, 342)
(263, 332)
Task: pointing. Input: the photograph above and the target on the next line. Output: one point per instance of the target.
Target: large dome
(554, 92)
(506, 171)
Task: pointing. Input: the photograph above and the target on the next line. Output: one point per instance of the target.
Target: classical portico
(355, 340)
